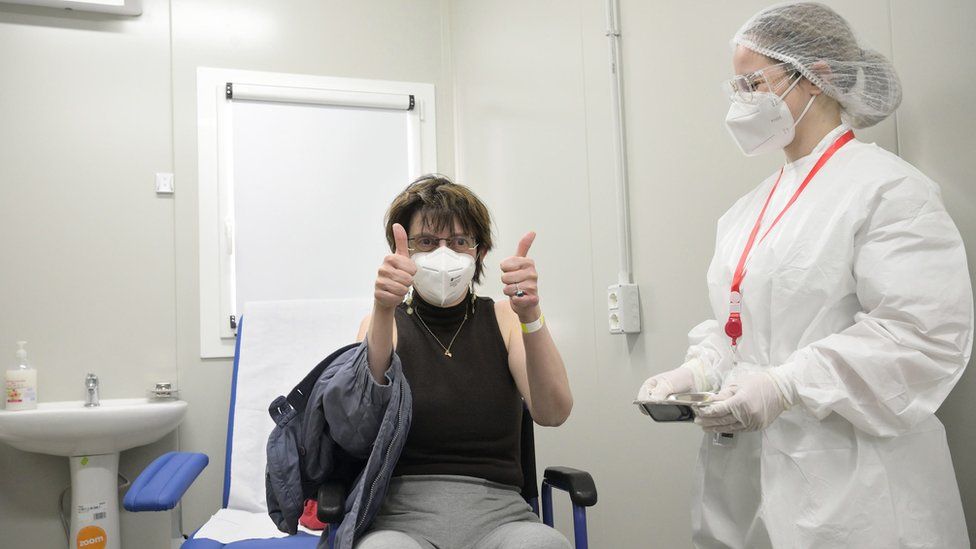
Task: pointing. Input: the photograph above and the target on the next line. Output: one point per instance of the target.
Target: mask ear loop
(805, 109)
(793, 85)
(809, 103)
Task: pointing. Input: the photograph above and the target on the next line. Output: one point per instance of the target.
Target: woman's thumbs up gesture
(395, 275)
(522, 281)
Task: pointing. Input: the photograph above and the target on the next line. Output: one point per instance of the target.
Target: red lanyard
(733, 327)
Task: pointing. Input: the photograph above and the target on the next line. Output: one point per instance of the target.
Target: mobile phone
(677, 407)
(663, 412)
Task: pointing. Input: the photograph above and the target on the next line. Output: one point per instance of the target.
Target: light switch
(164, 183)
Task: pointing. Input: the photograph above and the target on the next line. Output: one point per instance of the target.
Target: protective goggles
(772, 79)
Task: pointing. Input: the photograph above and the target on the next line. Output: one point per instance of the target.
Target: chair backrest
(530, 483)
(278, 342)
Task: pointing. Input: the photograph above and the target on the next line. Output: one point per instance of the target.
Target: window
(295, 174)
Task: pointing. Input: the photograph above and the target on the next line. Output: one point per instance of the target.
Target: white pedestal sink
(92, 438)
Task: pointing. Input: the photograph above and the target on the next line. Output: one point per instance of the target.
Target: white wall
(935, 132)
(87, 246)
(100, 274)
(533, 137)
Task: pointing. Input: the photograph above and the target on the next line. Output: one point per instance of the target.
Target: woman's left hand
(522, 281)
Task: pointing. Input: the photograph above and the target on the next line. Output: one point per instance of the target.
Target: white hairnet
(821, 45)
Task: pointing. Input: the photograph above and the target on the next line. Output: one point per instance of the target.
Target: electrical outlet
(623, 309)
(164, 183)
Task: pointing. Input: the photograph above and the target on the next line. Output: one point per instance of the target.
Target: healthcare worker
(843, 313)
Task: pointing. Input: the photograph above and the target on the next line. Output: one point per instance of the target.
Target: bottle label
(18, 391)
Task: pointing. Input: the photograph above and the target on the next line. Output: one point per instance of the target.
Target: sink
(69, 429)
(92, 438)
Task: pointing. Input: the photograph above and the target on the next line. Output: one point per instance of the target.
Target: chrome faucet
(91, 384)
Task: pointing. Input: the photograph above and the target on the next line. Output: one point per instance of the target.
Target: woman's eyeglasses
(427, 243)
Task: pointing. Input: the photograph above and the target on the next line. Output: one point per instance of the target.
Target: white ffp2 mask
(442, 275)
(763, 123)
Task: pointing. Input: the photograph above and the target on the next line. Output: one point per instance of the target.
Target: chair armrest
(579, 484)
(332, 502)
(161, 485)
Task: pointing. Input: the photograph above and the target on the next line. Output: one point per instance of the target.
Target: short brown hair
(440, 201)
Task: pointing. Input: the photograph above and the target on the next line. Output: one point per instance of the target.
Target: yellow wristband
(533, 326)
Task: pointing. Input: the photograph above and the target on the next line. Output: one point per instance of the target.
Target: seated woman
(470, 363)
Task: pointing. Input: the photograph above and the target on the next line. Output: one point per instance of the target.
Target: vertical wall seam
(447, 52)
(589, 181)
(172, 163)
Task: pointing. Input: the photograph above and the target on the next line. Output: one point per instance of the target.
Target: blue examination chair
(162, 484)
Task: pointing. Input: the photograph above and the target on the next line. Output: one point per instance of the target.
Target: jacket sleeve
(710, 346)
(354, 403)
(912, 339)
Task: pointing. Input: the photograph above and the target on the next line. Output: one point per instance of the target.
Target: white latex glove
(750, 403)
(682, 379)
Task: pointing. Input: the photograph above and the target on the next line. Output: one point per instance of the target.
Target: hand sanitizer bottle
(21, 383)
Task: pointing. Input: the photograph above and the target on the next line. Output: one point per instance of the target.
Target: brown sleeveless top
(467, 411)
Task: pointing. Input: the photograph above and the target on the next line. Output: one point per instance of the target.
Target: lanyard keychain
(733, 327)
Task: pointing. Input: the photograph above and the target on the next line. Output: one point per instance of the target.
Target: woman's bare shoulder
(507, 319)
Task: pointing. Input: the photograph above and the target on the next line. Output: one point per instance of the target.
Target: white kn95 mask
(443, 275)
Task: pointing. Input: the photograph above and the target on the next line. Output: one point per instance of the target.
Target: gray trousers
(455, 512)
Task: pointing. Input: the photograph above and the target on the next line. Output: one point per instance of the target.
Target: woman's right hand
(395, 275)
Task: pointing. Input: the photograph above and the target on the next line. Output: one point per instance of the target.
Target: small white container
(21, 383)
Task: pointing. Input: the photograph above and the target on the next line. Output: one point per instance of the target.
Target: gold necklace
(447, 350)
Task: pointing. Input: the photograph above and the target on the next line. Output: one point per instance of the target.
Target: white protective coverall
(861, 297)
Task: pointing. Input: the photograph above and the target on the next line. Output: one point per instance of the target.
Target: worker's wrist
(784, 379)
(697, 369)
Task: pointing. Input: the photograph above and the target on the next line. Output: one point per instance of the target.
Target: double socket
(623, 309)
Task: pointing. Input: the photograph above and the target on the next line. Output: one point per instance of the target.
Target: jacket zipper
(386, 462)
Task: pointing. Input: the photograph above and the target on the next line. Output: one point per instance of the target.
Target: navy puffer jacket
(337, 423)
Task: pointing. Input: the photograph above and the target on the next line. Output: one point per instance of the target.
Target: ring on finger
(518, 291)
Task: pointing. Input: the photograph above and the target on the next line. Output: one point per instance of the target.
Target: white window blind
(295, 179)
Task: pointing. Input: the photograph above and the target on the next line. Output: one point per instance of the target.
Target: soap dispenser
(21, 383)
